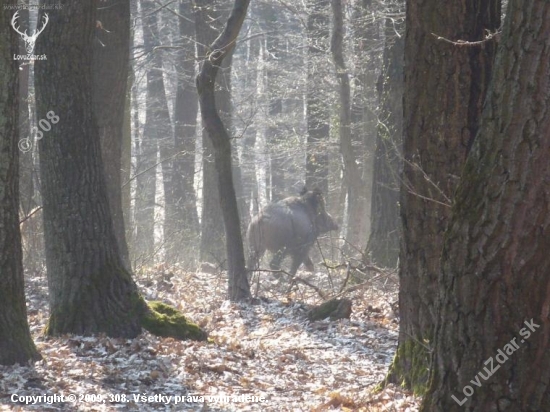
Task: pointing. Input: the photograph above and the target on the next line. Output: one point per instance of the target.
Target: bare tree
(209, 17)
(238, 282)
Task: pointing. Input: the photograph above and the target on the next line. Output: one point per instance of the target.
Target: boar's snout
(327, 223)
(332, 223)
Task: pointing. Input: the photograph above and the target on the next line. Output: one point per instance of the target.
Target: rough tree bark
(445, 86)
(90, 290)
(238, 288)
(494, 288)
(126, 160)
(16, 345)
(110, 70)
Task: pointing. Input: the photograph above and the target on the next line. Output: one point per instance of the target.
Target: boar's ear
(315, 199)
(303, 191)
(319, 200)
(317, 192)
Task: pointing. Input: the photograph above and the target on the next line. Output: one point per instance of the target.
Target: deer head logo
(30, 41)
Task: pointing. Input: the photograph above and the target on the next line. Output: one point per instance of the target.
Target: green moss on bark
(164, 320)
(410, 367)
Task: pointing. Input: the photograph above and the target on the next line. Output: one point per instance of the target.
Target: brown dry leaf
(268, 350)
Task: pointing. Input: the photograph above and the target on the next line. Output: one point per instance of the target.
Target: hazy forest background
(278, 94)
(143, 142)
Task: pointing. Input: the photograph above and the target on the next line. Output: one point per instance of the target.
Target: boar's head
(315, 203)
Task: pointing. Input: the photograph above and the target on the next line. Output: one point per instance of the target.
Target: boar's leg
(308, 263)
(298, 257)
(256, 244)
(279, 256)
(253, 260)
(254, 257)
(277, 259)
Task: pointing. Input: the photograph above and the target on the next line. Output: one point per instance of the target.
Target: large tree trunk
(383, 245)
(318, 114)
(90, 290)
(495, 278)
(16, 345)
(126, 161)
(185, 121)
(110, 70)
(238, 288)
(445, 86)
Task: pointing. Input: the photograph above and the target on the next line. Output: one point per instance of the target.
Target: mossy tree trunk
(494, 288)
(238, 288)
(16, 345)
(445, 86)
(90, 290)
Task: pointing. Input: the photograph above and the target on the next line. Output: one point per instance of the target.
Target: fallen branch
(488, 37)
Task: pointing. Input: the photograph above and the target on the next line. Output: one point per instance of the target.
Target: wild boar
(289, 227)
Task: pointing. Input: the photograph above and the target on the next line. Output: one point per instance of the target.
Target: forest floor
(265, 357)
